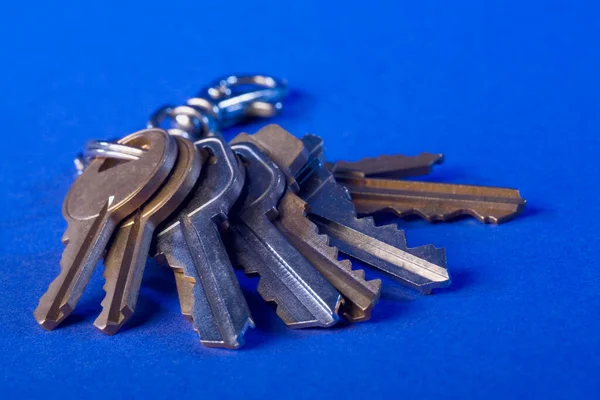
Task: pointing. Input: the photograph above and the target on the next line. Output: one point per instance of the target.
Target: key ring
(223, 104)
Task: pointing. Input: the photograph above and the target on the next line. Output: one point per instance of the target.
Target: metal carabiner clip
(239, 97)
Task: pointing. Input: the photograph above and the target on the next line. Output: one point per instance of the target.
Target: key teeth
(447, 216)
(268, 296)
(394, 236)
(42, 314)
(264, 290)
(234, 342)
(321, 243)
(331, 251)
(358, 274)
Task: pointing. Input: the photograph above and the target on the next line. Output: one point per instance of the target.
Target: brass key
(396, 166)
(126, 258)
(431, 201)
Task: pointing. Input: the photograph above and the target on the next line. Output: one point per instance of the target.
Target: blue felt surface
(509, 91)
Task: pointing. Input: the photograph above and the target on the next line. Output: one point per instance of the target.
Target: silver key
(106, 192)
(192, 245)
(303, 296)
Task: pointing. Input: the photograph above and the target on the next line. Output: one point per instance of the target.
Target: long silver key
(126, 259)
(106, 192)
(192, 245)
(303, 296)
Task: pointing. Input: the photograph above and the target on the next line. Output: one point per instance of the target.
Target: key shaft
(396, 166)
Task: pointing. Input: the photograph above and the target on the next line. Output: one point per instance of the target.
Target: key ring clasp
(239, 97)
(227, 102)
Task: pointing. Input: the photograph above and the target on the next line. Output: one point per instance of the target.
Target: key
(126, 258)
(303, 296)
(432, 201)
(383, 247)
(191, 244)
(374, 185)
(360, 295)
(396, 166)
(105, 193)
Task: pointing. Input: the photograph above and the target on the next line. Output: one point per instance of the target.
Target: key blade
(396, 166)
(383, 247)
(434, 201)
(415, 271)
(85, 242)
(214, 299)
(304, 298)
(360, 295)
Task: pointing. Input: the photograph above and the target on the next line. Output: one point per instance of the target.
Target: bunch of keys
(290, 217)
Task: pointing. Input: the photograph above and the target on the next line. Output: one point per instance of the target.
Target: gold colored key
(127, 255)
(431, 201)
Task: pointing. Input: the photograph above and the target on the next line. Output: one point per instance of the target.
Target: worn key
(383, 247)
(126, 258)
(432, 201)
(359, 294)
(303, 296)
(374, 186)
(106, 192)
(192, 245)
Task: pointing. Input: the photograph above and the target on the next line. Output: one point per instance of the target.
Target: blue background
(509, 91)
